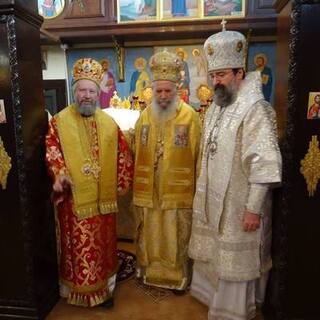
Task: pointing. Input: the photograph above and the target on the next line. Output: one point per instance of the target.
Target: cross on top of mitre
(223, 23)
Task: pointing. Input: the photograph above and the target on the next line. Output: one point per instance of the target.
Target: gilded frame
(201, 15)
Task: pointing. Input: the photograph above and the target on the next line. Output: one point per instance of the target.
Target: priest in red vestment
(90, 164)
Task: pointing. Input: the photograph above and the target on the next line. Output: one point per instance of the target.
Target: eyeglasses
(220, 75)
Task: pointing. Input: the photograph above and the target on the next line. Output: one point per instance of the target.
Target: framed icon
(164, 10)
(313, 106)
(223, 8)
(137, 10)
(50, 9)
(180, 9)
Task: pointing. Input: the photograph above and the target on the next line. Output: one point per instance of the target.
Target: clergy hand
(251, 221)
(62, 184)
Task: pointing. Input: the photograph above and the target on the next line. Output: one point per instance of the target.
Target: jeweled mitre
(165, 65)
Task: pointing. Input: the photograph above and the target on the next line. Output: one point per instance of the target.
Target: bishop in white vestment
(240, 164)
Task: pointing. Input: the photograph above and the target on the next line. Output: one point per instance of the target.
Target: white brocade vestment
(247, 158)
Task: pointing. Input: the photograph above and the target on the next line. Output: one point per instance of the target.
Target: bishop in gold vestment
(166, 139)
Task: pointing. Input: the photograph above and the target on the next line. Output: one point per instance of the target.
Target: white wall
(56, 63)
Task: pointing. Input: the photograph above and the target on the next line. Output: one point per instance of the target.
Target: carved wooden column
(28, 271)
(295, 279)
(276, 303)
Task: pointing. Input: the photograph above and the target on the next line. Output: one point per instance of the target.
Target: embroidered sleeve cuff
(256, 198)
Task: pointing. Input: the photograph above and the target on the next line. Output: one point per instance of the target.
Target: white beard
(162, 115)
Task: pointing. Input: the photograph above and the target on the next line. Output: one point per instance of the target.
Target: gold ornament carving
(5, 165)
(115, 101)
(147, 95)
(204, 94)
(310, 166)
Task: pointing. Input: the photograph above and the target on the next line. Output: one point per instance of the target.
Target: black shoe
(108, 304)
(178, 292)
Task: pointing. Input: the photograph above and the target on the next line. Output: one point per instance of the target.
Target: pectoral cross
(223, 23)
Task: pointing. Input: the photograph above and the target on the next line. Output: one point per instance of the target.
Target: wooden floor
(131, 302)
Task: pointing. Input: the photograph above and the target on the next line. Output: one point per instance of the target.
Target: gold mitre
(165, 66)
(225, 50)
(87, 68)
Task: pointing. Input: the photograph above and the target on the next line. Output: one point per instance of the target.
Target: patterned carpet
(126, 271)
(127, 265)
(155, 293)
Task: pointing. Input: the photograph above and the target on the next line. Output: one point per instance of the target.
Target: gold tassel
(88, 299)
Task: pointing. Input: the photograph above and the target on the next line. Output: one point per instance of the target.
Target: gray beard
(162, 115)
(85, 110)
(224, 95)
